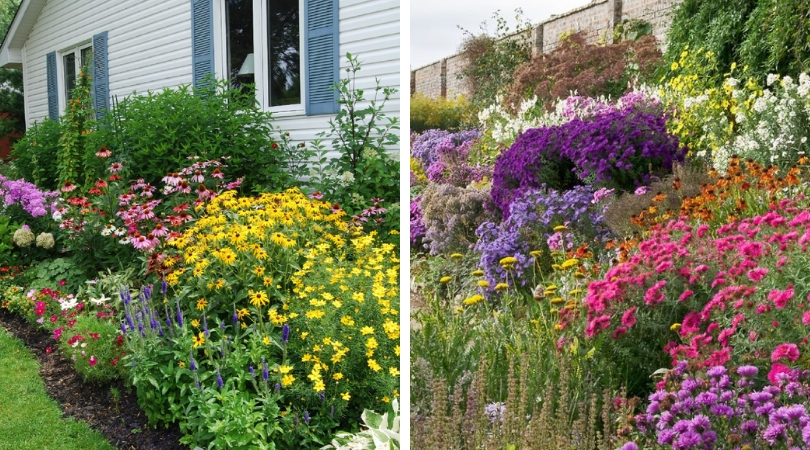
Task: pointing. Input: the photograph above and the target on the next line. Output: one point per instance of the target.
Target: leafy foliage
(492, 59)
(438, 113)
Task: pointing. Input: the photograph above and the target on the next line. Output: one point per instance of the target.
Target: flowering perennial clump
(726, 409)
(620, 148)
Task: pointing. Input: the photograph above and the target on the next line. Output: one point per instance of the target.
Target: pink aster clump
(732, 294)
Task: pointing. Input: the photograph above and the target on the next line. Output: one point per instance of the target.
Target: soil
(122, 423)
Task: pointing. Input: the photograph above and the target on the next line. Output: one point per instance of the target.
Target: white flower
(772, 78)
(732, 82)
(70, 303)
(124, 241)
(99, 301)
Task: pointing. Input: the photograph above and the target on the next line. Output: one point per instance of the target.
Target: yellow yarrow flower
(474, 299)
(445, 279)
(456, 256)
(483, 283)
(675, 327)
(560, 228)
(570, 263)
(501, 286)
(478, 273)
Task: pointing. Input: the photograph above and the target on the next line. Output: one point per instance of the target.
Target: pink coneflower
(184, 187)
(172, 179)
(234, 184)
(101, 184)
(68, 187)
(789, 351)
(116, 167)
(316, 195)
(181, 207)
(198, 177)
(160, 230)
(103, 152)
(336, 208)
(217, 174)
(115, 177)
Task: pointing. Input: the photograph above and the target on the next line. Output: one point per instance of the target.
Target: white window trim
(60, 69)
(260, 50)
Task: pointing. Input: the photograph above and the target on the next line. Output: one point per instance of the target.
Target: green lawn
(29, 419)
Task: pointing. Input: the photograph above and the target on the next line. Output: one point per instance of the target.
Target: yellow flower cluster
(296, 259)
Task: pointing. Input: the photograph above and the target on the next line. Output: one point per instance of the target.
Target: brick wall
(597, 19)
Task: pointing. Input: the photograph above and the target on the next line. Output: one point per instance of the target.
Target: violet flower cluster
(31, 199)
(452, 165)
(532, 219)
(721, 410)
(426, 146)
(417, 224)
(619, 148)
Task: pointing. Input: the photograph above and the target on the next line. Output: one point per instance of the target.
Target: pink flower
(619, 332)
(776, 369)
(316, 195)
(686, 294)
(40, 309)
(48, 351)
(629, 318)
(116, 167)
(93, 361)
(654, 295)
(757, 274)
(780, 298)
(806, 318)
(103, 152)
(789, 351)
(57, 333)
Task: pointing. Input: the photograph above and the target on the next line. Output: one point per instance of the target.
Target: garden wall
(597, 19)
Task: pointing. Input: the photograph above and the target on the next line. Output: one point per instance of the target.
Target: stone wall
(597, 19)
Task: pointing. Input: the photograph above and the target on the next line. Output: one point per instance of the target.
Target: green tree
(11, 85)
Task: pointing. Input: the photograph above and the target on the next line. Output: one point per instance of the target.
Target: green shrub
(160, 130)
(439, 113)
(34, 154)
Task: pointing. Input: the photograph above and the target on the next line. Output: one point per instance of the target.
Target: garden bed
(122, 422)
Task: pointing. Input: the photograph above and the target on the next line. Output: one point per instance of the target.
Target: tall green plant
(365, 173)
(76, 125)
(160, 130)
(492, 59)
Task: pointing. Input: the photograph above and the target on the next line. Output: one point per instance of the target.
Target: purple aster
(721, 410)
(666, 436)
(747, 371)
(687, 440)
(630, 446)
(750, 427)
(716, 371)
(760, 397)
(774, 431)
(700, 423)
(706, 398)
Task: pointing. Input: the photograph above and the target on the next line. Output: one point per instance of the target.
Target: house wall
(149, 48)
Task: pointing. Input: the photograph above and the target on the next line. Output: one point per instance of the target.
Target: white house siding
(149, 48)
(369, 30)
(149, 44)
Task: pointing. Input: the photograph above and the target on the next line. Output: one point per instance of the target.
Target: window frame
(61, 75)
(260, 54)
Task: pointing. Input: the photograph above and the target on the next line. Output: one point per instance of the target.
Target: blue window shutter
(202, 40)
(101, 75)
(322, 56)
(53, 86)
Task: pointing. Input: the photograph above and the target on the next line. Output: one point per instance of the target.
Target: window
(73, 61)
(262, 45)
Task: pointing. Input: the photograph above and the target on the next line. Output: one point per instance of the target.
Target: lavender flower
(265, 373)
(235, 317)
(278, 387)
(252, 372)
(306, 417)
(285, 333)
(179, 316)
(164, 287)
(219, 379)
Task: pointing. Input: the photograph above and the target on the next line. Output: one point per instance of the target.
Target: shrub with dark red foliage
(590, 70)
(620, 148)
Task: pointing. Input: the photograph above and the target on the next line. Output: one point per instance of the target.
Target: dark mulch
(123, 424)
